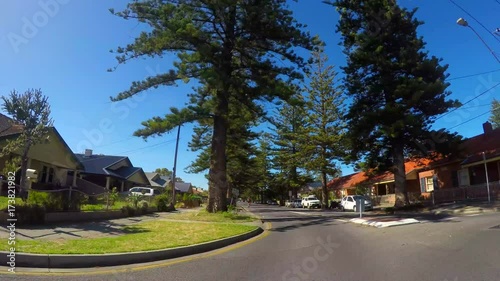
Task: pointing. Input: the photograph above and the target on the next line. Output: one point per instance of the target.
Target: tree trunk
(399, 174)
(217, 173)
(23, 189)
(324, 206)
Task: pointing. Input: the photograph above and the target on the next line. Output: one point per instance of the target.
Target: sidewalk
(466, 208)
(459, 208)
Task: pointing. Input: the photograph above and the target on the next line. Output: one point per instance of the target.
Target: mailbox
(32, 175)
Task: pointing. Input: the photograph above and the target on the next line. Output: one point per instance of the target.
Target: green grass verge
(102, 207)
(154, 235)
(203, 215)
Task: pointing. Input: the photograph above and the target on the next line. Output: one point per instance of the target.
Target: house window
(427, 184)
(44, 174)
(463, 177)
(51, 175)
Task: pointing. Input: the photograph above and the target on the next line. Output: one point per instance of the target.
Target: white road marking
(473, 215)
(303, 213)
(342, 220)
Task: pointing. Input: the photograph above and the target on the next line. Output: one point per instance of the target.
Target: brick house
(464, 176)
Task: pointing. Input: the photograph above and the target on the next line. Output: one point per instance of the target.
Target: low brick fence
(478, 192)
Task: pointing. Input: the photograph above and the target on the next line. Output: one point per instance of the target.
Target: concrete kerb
(88, 261)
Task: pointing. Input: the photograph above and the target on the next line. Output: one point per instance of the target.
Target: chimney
(88, 152)
(487, 127)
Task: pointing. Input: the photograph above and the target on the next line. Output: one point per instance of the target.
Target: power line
(473, 118)
(496, 85)
(472, 75)
(472, 17)
(149, 146)
(115, 142)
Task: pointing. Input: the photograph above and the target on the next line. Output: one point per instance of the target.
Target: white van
(144, 191)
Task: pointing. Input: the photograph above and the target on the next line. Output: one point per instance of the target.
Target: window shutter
(436, 182)
(422, 184)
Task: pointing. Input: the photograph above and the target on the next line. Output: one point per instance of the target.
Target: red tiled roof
(409, 167)
(350, 181)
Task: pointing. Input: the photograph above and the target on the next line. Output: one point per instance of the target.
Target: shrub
(143, 203)
(30, 214)
(135, 199)
(144, 206)
(162, 202)
(52, 201)
(113, 196)
(129, 210)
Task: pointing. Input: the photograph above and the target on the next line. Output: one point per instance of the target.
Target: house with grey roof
(183, 187)
(158, 181)
(52, 159)
(111, 171)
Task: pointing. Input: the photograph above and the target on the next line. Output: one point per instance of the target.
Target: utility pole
(175, 166)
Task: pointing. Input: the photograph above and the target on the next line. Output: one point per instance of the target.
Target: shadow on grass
(134, 229)
(111, 227)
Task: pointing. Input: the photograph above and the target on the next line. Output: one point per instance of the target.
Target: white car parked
(311, 202)
(349, 203)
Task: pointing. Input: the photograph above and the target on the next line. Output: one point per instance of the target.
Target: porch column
(29, 182)
(107, 182)
(121, 188)
(74, 178)
(387, 189)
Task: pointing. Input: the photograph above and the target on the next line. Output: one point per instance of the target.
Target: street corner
(383, 222)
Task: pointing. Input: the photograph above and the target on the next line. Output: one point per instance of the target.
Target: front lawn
(153, 235)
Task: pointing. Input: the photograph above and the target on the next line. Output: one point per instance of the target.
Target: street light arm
(479, 36)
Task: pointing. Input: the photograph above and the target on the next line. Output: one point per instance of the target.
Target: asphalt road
(314, 245)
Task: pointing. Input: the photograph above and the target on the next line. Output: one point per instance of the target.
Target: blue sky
(63, 46)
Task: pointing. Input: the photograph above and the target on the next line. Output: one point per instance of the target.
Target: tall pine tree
(230, 47)
(322, 147)
(396, 88)
(287, 137)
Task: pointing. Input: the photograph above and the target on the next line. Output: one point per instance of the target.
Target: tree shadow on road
(308, 222)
